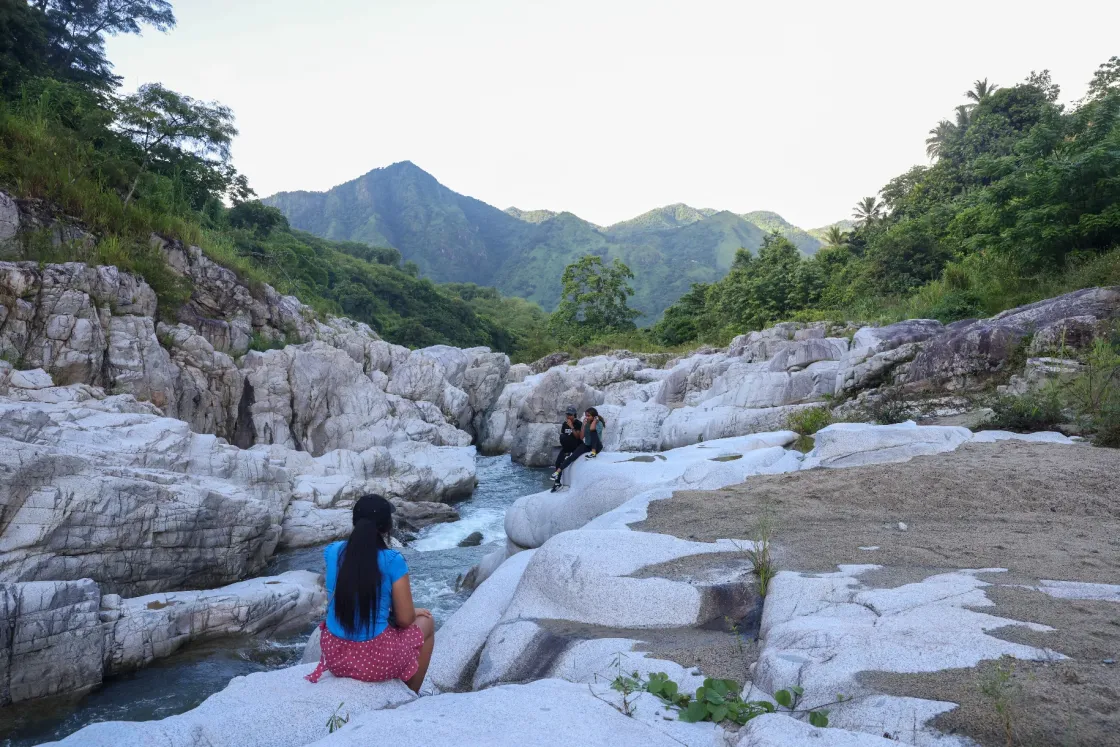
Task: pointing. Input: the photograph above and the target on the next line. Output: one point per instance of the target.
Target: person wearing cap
(372, 631)
(571, 440)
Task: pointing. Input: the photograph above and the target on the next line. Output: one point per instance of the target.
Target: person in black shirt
(571, 440)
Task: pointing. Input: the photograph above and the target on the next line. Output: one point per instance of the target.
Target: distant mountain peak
(531, 216)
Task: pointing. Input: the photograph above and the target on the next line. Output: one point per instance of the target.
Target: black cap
(571, 411)
(376, 509)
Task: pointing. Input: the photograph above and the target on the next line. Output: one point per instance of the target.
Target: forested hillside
(523, 253)
(1021, 201)
(123, 167)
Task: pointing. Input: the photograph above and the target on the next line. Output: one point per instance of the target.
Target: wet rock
(474, 539)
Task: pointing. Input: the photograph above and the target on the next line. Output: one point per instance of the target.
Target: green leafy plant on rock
(718, 700)
(806, 422)
(336, 721)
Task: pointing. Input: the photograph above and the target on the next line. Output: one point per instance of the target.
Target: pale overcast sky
(608, 108)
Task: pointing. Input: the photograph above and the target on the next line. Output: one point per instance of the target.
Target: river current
(180, 682)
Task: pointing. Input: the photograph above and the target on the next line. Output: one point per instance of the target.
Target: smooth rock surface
(266, 709)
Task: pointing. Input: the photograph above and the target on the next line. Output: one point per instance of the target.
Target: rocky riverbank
(621, 593)
(152, 460)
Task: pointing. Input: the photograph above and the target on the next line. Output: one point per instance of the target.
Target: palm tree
(981, 90)
(964, 118)
(867, 211)
(939, 137)
(835, 236)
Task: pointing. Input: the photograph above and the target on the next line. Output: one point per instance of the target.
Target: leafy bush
(1026, 413)
(807, 421)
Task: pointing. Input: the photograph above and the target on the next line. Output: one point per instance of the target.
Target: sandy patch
(1042, 511)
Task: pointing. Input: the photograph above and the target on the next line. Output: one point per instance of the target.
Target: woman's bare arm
(404, 612)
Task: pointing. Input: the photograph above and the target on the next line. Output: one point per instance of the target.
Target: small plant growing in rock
(719, 700)
(999, 686)
(806, 422)
(762, 565)
(337, 721)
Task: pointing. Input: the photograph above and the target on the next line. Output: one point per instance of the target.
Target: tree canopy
(593, 301)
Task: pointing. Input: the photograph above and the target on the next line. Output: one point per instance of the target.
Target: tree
(981, 90)
(1106, 78)
(257, 217)
(77, 31)
(835, 236)
(867, 211)
(164, 123)
(939, 137)
(593, 300)
(23, 44)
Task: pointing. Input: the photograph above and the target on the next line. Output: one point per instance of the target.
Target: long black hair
(358, 586)
(592, 411)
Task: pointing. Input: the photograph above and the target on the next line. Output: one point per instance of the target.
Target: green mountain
(818, 233)
(531, 216)
(454, 238)
(677, 215)
(768, 221)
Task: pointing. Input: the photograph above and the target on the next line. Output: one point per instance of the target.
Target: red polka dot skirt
(392, 655)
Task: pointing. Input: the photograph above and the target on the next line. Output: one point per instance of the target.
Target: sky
(608, 108)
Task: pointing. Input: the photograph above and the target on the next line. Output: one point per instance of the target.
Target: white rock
(779, 730)
(51, 642)
(266, 709)
(821, 631)
(33, 379)
(853, 444)
(463, 635)
(154, 626)
(599, 485)
(539, 714)
(1045, 437)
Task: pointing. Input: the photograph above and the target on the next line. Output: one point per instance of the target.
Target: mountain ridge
(456, 238)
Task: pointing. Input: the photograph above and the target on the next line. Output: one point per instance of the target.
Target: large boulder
(266, 709)
(60, 318)
(854, 444)
(50, 639)
(967, 352)
(208, 387)
(591, 577)
(538, 714)
(142, 629)
(876, 351)
(464, 634)
(100, 489)
(326, 487)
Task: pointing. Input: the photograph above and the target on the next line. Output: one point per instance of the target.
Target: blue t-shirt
(392, 566)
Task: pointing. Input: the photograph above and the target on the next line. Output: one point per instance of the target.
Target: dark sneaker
(592, 455)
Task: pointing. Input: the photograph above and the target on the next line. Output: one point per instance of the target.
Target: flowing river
(180, 682)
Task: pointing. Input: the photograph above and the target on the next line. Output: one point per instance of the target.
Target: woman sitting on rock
(593, 429)
(372, 631)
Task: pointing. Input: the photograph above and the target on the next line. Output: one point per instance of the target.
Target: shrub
(807, 421)
(1034, 411)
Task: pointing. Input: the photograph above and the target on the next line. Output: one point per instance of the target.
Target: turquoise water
(181, 682)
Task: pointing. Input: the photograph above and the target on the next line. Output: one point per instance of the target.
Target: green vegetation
(455, 238)
(717, 700)
(593, 301)
(806, 422)
(1088, 400)
(337, 721)
(1019, 204)
(158, 162)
